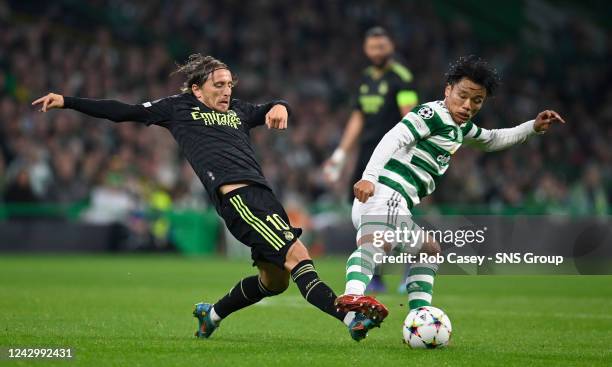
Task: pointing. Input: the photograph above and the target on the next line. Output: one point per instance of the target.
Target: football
(427, 328)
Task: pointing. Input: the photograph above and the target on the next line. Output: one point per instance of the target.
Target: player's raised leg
(319, 294)
(360, 266)
(359, 271)
(377, 214)
(306, 278)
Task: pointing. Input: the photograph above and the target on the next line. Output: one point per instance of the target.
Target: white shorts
(387, 210)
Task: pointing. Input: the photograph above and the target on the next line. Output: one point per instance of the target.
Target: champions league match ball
(427, 328)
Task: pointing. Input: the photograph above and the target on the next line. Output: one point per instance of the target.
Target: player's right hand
(50, 101)
(363, 190)
(545, 119)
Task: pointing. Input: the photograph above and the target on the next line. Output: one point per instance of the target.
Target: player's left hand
(545, 119)
(277, 117)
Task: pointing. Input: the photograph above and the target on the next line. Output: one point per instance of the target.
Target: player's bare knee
(278, 284)
(296, 254)
(365, 240)
(274, 278)
(370, 243)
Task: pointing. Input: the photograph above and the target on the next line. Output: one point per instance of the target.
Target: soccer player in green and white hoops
(407, 165)
(385, 94)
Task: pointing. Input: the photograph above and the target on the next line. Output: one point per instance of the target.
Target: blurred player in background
(212, 131)
(385, 95)
(407, 165)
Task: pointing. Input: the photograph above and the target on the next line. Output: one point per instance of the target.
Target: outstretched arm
(498, 139)
(103, 108)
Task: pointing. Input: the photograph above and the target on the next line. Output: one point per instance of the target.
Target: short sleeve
(405, 95)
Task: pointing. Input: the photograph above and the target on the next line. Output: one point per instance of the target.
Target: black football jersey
(216, 144)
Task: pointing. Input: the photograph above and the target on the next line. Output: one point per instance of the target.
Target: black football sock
(248, 291)
(314, 290)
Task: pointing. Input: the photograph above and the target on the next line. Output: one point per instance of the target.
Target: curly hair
(197, 69)
(475, 69)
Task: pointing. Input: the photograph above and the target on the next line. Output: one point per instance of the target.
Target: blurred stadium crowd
(308, 52)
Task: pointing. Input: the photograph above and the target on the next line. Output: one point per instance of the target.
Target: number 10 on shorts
(278, 222)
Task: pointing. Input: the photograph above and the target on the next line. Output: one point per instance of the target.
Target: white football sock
(350, 316)
(214, 317)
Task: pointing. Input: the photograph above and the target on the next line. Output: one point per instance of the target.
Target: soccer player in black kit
(212, 131)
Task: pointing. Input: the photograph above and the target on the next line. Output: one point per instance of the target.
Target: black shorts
(256, 218)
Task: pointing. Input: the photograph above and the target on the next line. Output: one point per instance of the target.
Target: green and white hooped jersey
(415, 154)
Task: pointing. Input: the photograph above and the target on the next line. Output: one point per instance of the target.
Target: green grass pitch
(136, 311)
